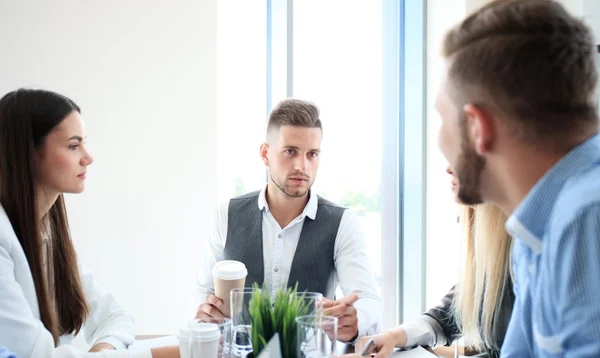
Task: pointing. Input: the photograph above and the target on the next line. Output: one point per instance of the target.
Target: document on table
(418, 352)
(154, 343)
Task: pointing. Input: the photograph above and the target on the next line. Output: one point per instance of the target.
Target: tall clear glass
(317, 336)
(241, 322)
(313, 300)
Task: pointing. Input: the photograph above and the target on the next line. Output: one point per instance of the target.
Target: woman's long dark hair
(26, 118)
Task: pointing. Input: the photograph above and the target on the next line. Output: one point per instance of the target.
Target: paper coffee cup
(204, 340)
(184, 341)
(228, 275)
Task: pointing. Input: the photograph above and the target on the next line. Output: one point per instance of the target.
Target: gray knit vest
(313, 266)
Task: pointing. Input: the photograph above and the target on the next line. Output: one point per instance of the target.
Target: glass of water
(241, 323)
(317, 336)
(313, 302)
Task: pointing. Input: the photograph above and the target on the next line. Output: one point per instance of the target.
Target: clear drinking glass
(314, 302)
(317, 336)
(240, 318)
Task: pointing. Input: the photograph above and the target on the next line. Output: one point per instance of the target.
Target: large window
(328, 52)
(337, 65)
(443, 231)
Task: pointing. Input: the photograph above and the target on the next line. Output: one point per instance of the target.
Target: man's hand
(346, 314)
(100, 346)
(210, 308)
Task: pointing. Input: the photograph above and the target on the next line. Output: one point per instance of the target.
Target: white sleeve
(107, 322)
(214, 254)
(354, 270)
(20, 330)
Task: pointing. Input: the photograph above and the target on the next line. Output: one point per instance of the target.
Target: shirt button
(276, 270)
(280, 236)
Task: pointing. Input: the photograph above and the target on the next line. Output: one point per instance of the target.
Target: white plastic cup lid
(204, 331)
(229, 270)
(184, 330)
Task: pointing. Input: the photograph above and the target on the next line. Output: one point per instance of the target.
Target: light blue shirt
(6, 354)
(556, 261)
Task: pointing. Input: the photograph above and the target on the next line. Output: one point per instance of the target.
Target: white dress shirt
(22, 331)
(353, 269)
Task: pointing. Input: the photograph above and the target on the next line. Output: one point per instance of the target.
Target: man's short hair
(294, 112)
(532, 61)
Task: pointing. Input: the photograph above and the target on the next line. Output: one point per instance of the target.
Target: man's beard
(468, 170)
(285, 189)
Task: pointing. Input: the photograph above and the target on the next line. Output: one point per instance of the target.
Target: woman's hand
(384, 342)
(165, 352)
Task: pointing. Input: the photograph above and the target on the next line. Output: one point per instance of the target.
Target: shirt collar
(310, 209)
(529, 220)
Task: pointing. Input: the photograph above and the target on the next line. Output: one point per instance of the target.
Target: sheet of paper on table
(418, 352)
(154, 343)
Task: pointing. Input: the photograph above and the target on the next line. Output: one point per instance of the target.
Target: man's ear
(481, 130)
(264, 153)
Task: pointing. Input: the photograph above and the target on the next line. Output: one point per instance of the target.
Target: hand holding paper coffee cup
(211, 307)
(228, 275)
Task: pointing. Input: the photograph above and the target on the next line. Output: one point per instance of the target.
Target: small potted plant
(279, 317)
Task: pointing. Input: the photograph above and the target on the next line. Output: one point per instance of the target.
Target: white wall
(591, 14)
(144, 74)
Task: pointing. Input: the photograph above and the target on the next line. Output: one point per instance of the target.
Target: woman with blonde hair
(478, 308)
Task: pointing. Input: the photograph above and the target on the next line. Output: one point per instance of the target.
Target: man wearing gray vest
(286, 234)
